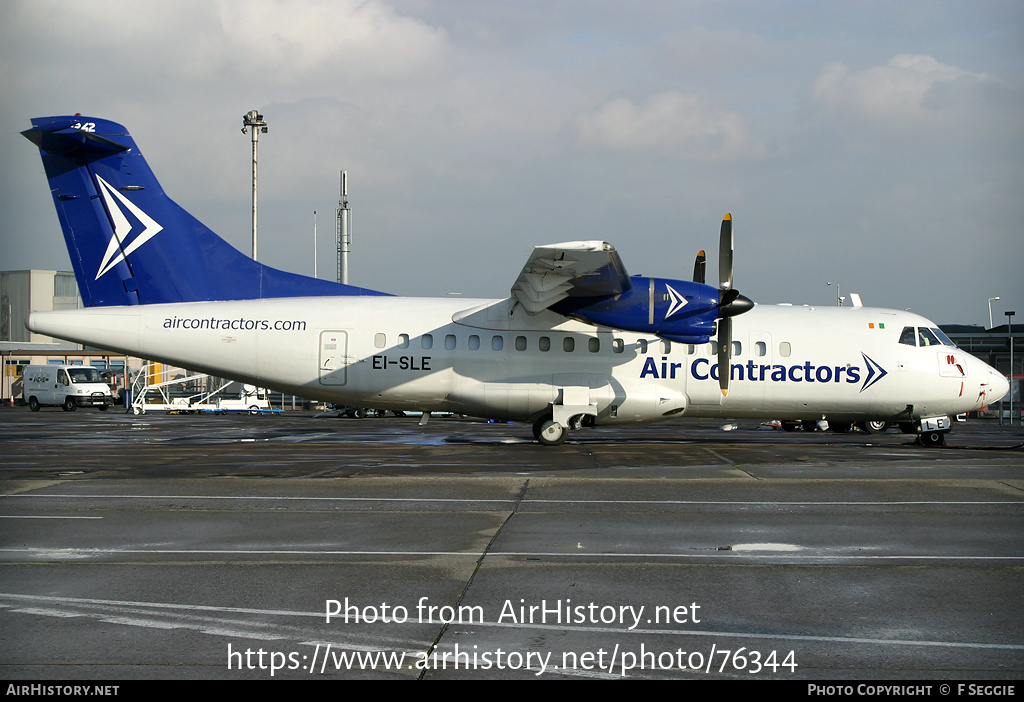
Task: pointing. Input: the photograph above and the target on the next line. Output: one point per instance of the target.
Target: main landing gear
(548, 432)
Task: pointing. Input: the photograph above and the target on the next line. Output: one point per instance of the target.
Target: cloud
(670, 122)
(310, 40)
(269, 44)
(908, 90)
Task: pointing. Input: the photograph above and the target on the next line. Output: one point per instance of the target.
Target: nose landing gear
(932, 438)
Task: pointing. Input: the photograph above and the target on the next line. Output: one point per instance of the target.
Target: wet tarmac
(287, 546)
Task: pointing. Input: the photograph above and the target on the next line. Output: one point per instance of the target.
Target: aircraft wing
(570, 269)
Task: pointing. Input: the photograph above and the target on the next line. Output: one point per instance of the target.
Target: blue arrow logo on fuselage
(875, 372)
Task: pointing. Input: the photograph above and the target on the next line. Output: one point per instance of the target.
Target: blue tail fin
(130, 244)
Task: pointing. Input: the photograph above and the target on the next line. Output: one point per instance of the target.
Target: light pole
(253, 122)
(839, 297)
(990, 325)
(1009, 333)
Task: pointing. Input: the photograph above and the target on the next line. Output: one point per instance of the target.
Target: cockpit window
(943, 339)
(927, 338)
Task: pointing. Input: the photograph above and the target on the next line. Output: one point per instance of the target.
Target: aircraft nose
(998, 386)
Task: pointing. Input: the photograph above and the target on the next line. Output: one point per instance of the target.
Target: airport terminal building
(27, 291)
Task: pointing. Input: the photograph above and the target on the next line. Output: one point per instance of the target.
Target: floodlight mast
(1009, 333)
(839, 296)
(990, 310)
(253, 122)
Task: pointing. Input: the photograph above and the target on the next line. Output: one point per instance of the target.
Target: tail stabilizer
(129, 243)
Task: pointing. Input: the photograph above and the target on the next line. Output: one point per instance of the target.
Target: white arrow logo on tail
(116, 250)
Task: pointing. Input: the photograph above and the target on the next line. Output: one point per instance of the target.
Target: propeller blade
(725, 246)
(724, 353)
(730, 304)
(700, 267)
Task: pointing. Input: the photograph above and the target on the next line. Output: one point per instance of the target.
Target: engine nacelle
(677, 310)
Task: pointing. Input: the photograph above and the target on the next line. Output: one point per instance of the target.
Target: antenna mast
(344, 230)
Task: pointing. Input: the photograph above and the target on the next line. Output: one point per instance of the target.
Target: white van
(70, 387)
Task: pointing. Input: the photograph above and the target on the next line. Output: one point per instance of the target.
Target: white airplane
(578, 342)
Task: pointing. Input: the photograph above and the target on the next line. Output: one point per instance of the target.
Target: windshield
(946, 341)
(925, 336)
(84, 375)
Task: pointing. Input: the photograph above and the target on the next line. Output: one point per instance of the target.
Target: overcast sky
(877, 145)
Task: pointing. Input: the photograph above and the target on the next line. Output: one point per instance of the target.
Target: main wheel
(549, 432)
(877, 426)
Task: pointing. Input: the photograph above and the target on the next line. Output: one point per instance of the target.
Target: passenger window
(497, 342)
(544, 343)
(474, 342)
(403, 341)
(380, 341)
(666, 346)
(449, 342)
(618, 346)
(908, 337)
(594, 345)
(737, 348)
(427, 341)
(760, 348)
(520, 343)
(568, 344)
(641, 346)
(785, 349)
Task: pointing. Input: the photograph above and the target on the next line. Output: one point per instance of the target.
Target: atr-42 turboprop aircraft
(579, 342)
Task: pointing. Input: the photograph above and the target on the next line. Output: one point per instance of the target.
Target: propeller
(730, 302)
(699, 267)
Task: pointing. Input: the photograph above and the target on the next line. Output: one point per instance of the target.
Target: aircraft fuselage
(491, 359)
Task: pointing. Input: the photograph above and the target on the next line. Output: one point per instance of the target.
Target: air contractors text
(703, 369)
(236, 324)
